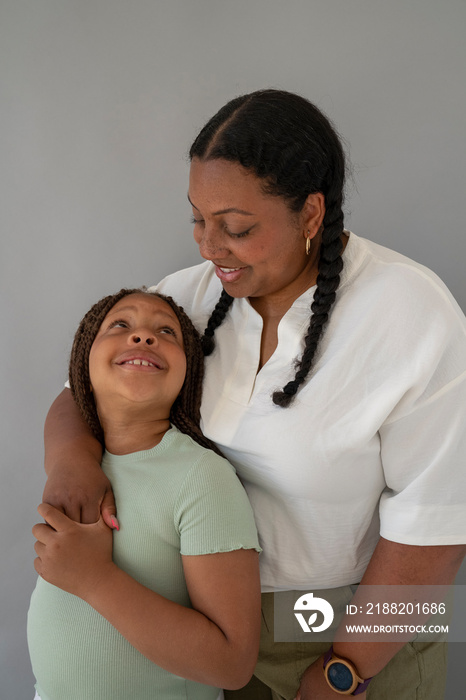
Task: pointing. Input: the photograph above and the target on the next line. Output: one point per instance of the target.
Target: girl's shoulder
(212, 511)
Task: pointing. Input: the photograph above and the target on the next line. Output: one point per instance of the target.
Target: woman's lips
(229, 274)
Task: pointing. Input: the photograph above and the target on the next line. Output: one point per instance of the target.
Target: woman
(334, 384)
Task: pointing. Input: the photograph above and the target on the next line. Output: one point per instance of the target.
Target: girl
(175, 612)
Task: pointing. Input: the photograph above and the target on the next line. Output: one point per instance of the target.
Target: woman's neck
(273, 307)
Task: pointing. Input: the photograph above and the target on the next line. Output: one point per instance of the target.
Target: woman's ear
(313, 213)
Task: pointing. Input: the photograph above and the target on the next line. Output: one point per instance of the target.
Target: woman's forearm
(76, 484)
(65, 431)
(394, 564)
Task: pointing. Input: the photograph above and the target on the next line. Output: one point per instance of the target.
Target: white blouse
(375, 441)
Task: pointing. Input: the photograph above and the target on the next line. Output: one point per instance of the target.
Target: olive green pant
(416, 672)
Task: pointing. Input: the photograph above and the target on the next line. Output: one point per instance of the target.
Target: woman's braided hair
(288, 143)
(185, 412)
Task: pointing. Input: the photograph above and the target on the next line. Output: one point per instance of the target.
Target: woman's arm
(391, 564)
(396, 564)
(76, 484)
(216, 643)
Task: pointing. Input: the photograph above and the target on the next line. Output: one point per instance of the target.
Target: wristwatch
(342, 676)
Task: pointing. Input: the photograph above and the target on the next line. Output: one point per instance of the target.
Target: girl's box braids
(185, 413)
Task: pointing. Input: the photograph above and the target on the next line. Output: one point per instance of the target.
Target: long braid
(185, 413)
(328, 280)
(186, 410)
(215, 320)
(293, 148)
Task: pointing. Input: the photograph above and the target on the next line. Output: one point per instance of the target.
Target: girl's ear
(313, 213)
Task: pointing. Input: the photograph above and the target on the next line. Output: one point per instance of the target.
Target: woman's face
(255, 241)
(138, 357)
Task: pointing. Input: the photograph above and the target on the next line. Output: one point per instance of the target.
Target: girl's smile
(140, 361)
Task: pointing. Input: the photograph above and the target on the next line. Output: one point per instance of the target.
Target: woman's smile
(229, 274)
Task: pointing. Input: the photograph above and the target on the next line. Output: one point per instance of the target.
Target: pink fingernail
(115, 522)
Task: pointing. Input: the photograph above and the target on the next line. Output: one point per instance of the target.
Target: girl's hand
(70, 555)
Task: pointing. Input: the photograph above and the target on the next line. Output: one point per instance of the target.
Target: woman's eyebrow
(230, 210)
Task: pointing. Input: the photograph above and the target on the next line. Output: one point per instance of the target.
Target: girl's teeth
(229, 269)
(144, 363)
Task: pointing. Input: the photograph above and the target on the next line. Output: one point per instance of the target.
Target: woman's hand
(82, 492)
(70, 555)
(76, 484)
(315, 687)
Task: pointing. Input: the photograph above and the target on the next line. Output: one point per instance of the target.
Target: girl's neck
(126, 436)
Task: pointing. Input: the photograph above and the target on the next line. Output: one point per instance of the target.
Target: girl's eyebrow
(230, 210)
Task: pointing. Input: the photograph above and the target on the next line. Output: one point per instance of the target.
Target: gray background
(100, 100)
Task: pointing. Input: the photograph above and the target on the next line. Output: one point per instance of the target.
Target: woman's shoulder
(364, 254)
(390, 278)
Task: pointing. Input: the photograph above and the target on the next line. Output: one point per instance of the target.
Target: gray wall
(99, 102)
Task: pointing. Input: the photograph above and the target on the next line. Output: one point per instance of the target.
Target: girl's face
(137, 358)
(255, 241)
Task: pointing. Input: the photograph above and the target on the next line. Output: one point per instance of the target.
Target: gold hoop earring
(308, 245)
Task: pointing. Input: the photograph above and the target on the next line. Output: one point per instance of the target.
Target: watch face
(340, 676)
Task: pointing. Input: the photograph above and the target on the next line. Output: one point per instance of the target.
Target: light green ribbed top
(177, 498)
